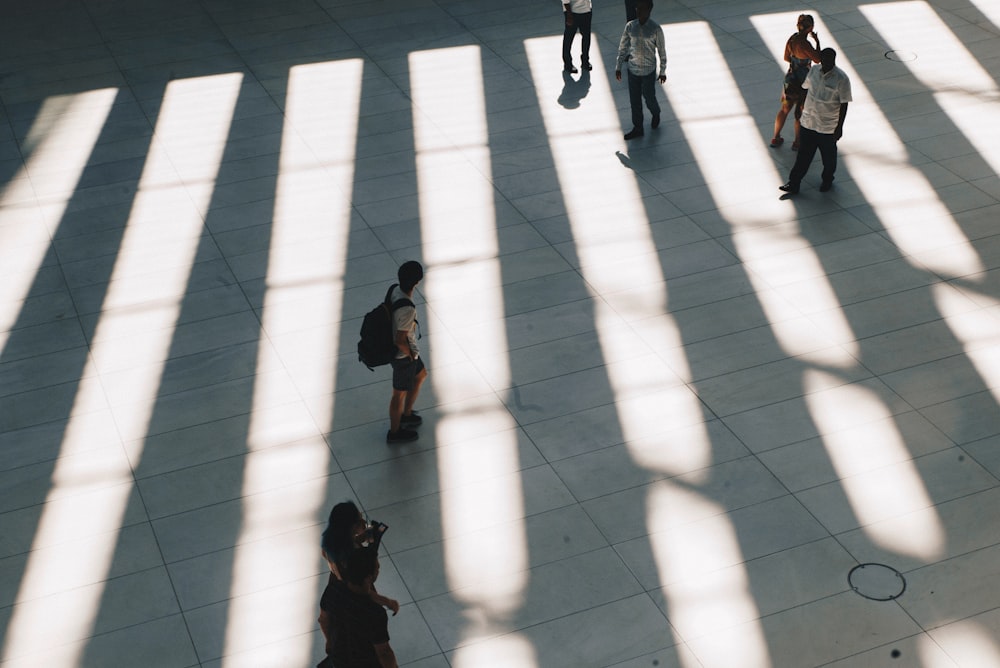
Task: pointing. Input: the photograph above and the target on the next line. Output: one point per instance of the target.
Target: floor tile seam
(141, 478)
(167, 563)
(873, 471)
(831, 276)
(839, 372)
(96, 636)
(964, 354)
(983, 464)
(726, 511)
(255, 592)
(949, 559)
(516, 630)
(841, 534)
(387, 544)
(688, 638)
(957, 399)
(658, 476)
(892, 643)
(102, 583)
(527, 570)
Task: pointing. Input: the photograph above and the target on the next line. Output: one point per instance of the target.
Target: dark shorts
(404, 373)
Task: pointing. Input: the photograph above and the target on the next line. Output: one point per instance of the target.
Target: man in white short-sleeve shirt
(828, 92)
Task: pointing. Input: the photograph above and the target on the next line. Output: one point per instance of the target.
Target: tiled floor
(667, 414)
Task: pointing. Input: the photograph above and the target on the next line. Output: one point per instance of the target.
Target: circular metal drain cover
(877, 582)
(901, 56)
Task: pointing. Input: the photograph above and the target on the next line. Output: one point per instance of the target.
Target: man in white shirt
(641, 42)
(578, 15)
(828, 92)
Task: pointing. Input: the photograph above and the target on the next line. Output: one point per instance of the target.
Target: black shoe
(789, 188)
(411, 420)
(656, 122)
(570, 69)
(633, 133)
(825, 186)
(587, 66)
(401, 436)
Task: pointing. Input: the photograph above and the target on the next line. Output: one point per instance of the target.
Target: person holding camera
(347, 533)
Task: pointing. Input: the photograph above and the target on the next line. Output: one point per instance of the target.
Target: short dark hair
(829, 53)
(409, 275)
(359, 565)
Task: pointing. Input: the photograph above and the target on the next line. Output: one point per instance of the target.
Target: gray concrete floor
(667, 413)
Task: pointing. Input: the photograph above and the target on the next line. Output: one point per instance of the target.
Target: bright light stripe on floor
(961, 86)
(58, 145)
(904, 200)
(991, 10)
(875, 497)
(738, 170)
(868, 127)
(977, 330)
(614, 264)
(707, 593)
(457, 212)
(968, 642)
(611, 267)
(178, 126)
(319, 139)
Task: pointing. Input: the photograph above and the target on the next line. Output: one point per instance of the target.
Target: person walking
(641, 43)
(800, 55)
(823, 114)
(578, 17)
(358, 626)
(408, 370)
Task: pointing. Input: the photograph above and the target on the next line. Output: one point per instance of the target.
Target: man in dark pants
(629, 10)
(641, 43)
(578, 16)
(828, 92)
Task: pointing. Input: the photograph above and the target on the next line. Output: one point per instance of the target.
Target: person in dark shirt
(360, 626)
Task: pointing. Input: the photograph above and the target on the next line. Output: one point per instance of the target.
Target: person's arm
(403, 342)
(624, 46)
(839, 132)
(568, 13)
(386, 602)
(662, 50)
(326, 626)
(386, 657)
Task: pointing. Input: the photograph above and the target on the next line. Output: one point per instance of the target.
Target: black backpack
(377, 346)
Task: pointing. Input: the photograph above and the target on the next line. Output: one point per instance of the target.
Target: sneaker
(411, 420)
(789, 188)
(825, 186)
(656, 122)
(570, 69)
(401, 436)
(586, 66)
(633, 133)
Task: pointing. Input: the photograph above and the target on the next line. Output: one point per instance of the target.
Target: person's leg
(404, 373)
(828, 152)
(583, 21)
(396, 409)
(807, 150)
(411, 396)
(568, 34)
(779, 121)
(635, 100)
(649, 93)
(798, 125)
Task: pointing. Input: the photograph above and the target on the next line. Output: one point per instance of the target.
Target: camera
(373, 533)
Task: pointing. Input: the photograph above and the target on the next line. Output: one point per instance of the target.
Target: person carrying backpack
(408, 371)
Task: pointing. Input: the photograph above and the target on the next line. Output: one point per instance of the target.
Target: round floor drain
(901, 56)
(877, 581)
